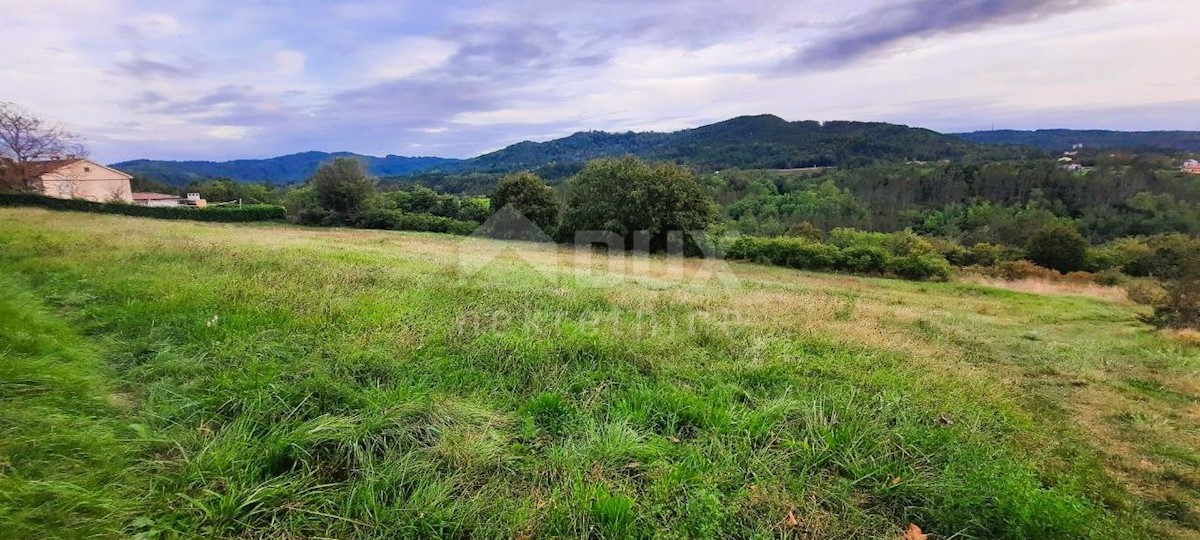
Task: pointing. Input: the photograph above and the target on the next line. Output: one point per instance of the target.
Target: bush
(864, 254)
(863, 259)
(1110, 277)
(1145, 291)
(922, 266)
(1162, 256)
(1058, 246)
(1016, 270)
(226, 214)
(1180, 306)
(400, 221)
(791, 252)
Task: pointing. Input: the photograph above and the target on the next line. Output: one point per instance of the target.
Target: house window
(87, 169)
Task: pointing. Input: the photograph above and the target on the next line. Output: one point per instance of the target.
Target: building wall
(87, 180)
(162, 202)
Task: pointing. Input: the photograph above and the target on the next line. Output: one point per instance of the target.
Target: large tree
(341, 186)
(25, 137)
(628, 196)
(529, 196)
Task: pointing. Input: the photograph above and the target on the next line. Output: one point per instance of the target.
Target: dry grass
(1055, 287)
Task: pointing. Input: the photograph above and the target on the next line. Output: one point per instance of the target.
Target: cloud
(289, 62)
(145, 68)
(879, 30)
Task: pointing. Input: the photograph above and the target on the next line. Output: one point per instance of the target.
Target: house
(70, 178)
(1191, 166)
(1065, 159)
(163, 199)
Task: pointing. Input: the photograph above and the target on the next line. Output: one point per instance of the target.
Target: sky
(217, 80)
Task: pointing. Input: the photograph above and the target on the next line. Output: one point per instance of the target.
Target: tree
(341, 186)
(628, 195)
(530, 196)
(1058, 246)
(24, 137)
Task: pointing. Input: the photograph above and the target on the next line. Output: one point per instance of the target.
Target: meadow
(164, 379)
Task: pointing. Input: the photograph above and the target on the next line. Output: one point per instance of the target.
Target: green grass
(169, 379)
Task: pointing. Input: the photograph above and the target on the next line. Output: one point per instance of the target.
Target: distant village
(1068, 162)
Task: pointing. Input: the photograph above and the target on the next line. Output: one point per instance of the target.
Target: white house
(1191, 166)
(71, 178)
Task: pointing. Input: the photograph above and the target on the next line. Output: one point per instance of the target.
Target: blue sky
(191, 79)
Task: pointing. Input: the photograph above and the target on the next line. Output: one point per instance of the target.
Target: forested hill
(281, 170)
(746, 142)
(1062, 139)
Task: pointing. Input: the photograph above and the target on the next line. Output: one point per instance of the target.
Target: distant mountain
(281, 170)
(1061, 139)
(747, 142)
(764, 141)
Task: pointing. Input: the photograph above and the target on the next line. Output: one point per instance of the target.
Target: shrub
(806, 255)
(863, 259)
(921, 266)
(1145, 291)
(843, 238)
(1058, 246)
(1180, 305)
(905, 243)
(227, 214)
(1110, 277)
(1162, 256)
(1015, 270)
(864, 253)
(401, 221)
(791, 252)
(985, 254)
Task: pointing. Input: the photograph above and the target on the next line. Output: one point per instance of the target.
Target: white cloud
(235, 133)
(289, 62)
(402, 57)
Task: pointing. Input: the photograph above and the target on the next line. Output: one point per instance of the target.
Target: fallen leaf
(914, 533)
(633, 465)
(944, 420)
(673, 439)
(791, 521)
(896, 481)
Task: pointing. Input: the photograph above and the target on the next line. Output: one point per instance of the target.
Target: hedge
(863, 257)
(226, 214)
(404, 221)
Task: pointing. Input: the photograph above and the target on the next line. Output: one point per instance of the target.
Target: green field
(168, 379)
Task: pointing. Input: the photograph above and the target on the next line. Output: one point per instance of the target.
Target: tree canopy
(628, 195)
(342, 185)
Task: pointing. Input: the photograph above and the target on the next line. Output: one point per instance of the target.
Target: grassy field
(168, 379)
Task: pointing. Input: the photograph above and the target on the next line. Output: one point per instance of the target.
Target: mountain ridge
(753, 141)
(285, 169)
(1062, 139)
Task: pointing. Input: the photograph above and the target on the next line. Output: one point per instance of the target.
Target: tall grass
(287, 383)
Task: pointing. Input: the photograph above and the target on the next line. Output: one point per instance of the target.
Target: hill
(746, 142)
(287, 169)
(284, 382)
(1055, 140)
